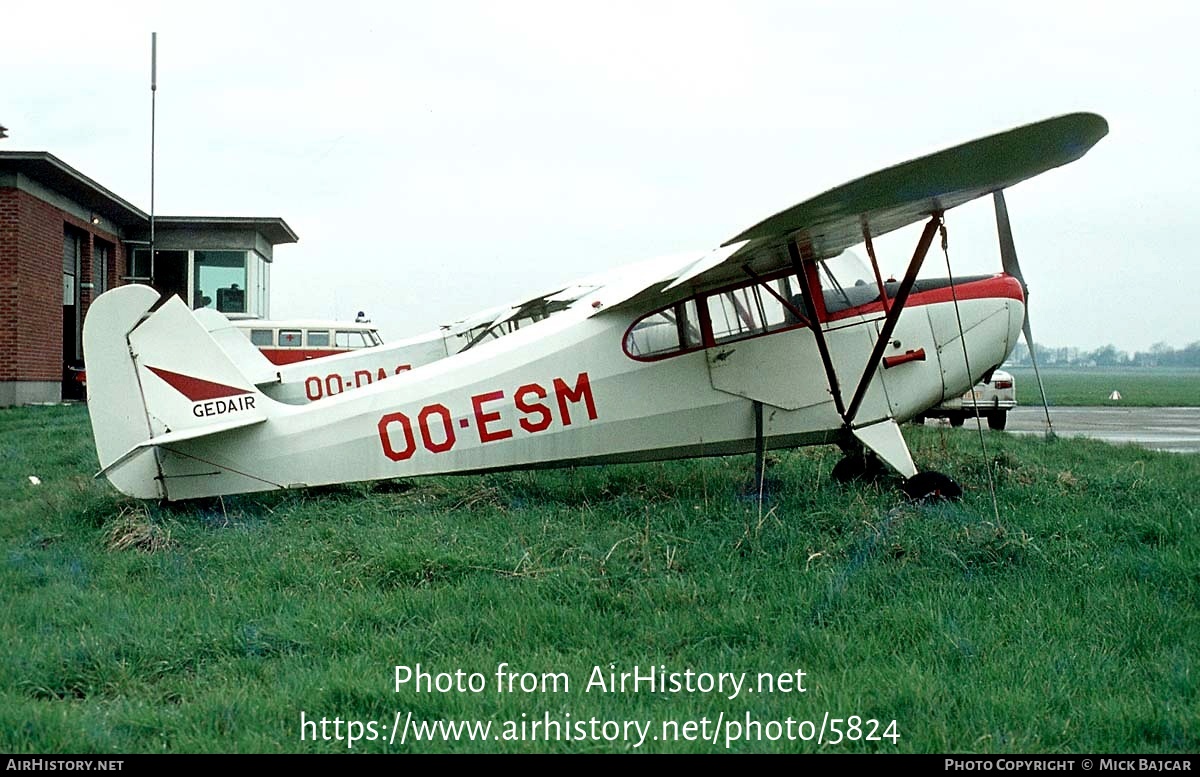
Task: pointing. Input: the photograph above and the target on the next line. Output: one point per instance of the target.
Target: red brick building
(65, 239)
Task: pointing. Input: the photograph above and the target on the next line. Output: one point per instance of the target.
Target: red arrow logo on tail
(196, 389)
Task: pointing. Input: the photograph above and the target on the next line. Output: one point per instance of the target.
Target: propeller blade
(1008, 249)
(1008, 260)
(1028, 337)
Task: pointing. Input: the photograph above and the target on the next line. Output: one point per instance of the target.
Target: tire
(854, 468)
(998, 419)
(957, 419)
(931, 486)
(919, 420)
(848, 470)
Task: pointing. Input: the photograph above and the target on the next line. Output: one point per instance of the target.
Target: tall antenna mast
(153, 95)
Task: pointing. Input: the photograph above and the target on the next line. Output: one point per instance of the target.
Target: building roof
(52, 172)
(274, 229)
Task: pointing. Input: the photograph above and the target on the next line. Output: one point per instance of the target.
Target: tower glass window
(220, 281)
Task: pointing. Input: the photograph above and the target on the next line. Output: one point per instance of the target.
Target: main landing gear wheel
(931, 486)
(857, 467)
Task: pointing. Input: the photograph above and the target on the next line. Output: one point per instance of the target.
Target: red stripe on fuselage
(196, 389)
(998, 286)
(283, 356)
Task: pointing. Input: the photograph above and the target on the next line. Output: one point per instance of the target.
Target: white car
(992, 398)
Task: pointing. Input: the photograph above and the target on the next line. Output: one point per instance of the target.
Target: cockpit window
(670, 331)
(732, 314)
(757, 307)
(751, 310)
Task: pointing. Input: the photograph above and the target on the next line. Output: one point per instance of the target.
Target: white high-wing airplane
(766, 342)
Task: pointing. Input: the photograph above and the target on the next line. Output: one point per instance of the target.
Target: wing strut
(814, 324)
(883, 295)
(889, 324)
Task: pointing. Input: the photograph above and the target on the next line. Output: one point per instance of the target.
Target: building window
(100, 256)
(71, 254)
(72, 318)
(139, 265)
(220, 280)
(262, 285)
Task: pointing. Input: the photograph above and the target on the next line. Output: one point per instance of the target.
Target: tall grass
(1070, 625)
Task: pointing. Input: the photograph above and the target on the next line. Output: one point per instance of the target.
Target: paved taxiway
(1175, 429)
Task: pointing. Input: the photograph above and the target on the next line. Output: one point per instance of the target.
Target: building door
(72, 388)
(171, 273)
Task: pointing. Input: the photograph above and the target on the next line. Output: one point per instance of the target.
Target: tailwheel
(858, 466)
(931, 486)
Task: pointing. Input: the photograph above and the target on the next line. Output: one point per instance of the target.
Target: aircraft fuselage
(567, 391)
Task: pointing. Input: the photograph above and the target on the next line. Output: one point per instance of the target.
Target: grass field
(1071, 625)
(1139, 387)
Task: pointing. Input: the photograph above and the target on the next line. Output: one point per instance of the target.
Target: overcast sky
(438, 158)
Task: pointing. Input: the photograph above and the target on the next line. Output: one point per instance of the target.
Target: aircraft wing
(895, 197)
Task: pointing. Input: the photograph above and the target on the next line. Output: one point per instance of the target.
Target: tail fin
(162, 380)
(248, 359)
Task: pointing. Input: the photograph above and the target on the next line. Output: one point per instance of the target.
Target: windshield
(847, 281)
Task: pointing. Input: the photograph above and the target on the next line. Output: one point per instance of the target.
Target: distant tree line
(1159, 355)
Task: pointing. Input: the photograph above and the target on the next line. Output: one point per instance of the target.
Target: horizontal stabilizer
(185, 434)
